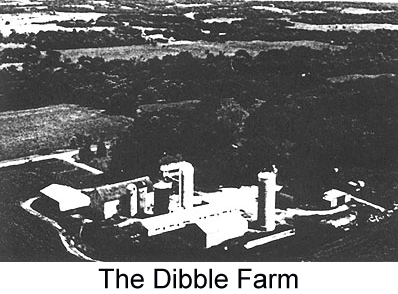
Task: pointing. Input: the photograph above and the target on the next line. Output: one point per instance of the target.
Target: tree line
(276, 107)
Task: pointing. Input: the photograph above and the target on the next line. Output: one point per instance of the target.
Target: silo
(133, 192)
(187, 184)
(161, 198)
(266, 200)
(183, 173)
(143, 203)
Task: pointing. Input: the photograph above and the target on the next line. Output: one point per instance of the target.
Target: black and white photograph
(198, 131)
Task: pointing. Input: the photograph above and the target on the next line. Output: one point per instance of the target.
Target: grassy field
(197, 48)
(28, 132)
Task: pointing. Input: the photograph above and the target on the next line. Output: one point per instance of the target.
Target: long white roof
(222, 223)
(67, 197)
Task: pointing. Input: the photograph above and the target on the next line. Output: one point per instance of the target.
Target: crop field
(24, 237)
(196, 48)
(28, 132)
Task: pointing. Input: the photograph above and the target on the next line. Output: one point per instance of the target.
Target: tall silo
(182, 173)
(134, 203)
(187, 184)
(267, 189)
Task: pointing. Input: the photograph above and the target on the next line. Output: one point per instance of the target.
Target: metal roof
(67, 197)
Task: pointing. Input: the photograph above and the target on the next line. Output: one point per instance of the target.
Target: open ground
(46, 129)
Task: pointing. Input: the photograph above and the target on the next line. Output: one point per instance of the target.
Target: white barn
(67, 198)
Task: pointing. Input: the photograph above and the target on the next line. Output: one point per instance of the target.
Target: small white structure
(67, 197)
(336, 197)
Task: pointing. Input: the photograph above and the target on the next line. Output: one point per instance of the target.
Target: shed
(66, 197)
(336, 197)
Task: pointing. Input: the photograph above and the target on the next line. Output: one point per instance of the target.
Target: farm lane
(65, 156)
(68, 243)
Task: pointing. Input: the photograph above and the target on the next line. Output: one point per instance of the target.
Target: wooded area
(306, 110)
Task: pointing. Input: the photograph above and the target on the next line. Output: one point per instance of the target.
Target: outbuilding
(221, 228)
(66, 198)
(336, 197)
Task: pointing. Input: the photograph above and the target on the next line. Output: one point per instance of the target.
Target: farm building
(182, 174)
(222, 228)
(336, 197)
(212, 223)
(170, 205)
(139, 197)
(65, 198)
(127, 198)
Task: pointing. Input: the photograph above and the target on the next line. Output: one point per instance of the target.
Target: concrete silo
(267, 189)
(183, 174)
(162, 192)
(134, 203)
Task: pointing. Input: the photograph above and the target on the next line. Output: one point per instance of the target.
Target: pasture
(46, 129)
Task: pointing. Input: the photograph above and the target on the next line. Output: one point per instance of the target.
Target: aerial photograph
(198, 130)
